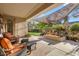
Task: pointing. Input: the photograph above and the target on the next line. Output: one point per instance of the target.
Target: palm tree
(66, 24)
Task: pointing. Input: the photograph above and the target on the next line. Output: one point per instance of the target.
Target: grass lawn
(34, 33)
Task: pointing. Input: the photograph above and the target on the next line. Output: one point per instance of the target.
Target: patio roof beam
(62, 13)
(42, 7)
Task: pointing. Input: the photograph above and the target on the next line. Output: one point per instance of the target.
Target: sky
(71, 19)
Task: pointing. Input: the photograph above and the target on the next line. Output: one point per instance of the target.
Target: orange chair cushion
(6, 44)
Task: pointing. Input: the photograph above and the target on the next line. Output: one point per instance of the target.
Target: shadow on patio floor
(49, 41)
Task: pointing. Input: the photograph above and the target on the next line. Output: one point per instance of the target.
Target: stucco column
(26, 24)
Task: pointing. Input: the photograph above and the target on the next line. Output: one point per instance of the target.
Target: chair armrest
(18, 46)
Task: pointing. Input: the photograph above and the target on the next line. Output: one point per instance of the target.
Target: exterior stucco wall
(20, 27)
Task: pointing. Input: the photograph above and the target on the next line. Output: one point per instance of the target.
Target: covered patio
(23, 20)
(46, 48)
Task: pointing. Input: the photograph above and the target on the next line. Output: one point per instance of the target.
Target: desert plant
(44, 26)
(41, 25)
(74, 27)
(58, 27)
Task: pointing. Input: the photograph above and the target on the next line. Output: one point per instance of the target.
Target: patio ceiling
(23, 10)
(55, 5)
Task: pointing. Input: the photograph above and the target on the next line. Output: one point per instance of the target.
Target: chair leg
(2, 53)
(28, 52)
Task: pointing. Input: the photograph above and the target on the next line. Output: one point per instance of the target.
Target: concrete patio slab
(42, 49)
(56, 52)
(75, 53)
(64, 46)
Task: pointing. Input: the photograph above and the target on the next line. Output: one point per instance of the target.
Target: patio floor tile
(66, 47)
(56, 52)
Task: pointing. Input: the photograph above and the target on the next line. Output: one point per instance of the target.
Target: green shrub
(58, 27)
(74, 27)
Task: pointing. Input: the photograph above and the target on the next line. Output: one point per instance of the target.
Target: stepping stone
(56, 52)
(66, 47)
(42, 49)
